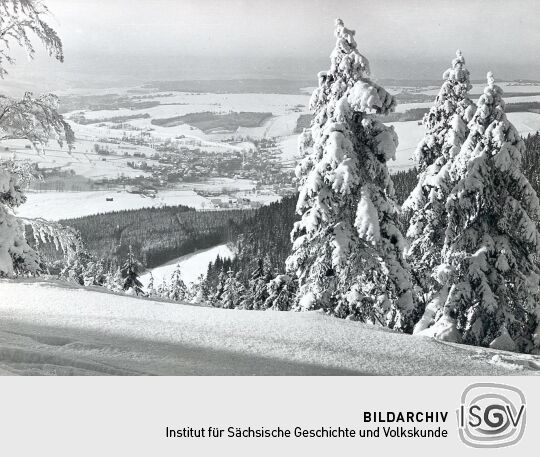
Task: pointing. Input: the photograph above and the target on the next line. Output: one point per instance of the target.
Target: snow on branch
(20, 20)
(35, 119)
(65, 239)
(14, 177)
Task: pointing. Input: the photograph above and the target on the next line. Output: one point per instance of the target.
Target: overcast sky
(402, 38)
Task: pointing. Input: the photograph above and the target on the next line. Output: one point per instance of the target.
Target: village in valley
(204, 150)
(227, 169)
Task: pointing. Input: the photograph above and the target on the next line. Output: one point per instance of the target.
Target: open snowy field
(67, 205)
(410, 134)
(525, 123)
(285, 109)
(193, 136)
(90, 165)
(192, 265)
(82, 159)
(507, 86)
(184, 103)
(54, 328)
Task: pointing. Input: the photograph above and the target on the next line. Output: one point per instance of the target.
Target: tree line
(156, 235)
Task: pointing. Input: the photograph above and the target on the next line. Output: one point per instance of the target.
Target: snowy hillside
(68, 205)
(192, 265)
(54, 328)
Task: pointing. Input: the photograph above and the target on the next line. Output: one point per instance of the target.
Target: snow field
(191, 265)
(185, 103)
(55, 328)
(282, 125)
(67, 205)
(478, 88)
(82, 160)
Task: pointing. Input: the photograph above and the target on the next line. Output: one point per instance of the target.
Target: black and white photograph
(269, 188)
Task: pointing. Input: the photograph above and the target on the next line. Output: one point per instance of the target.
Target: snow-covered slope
(67, 205)
(54, 328)
(192, 265)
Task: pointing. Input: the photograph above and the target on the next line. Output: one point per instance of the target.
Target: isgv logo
(491, 415)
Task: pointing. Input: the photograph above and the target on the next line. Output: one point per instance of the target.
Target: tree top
(490, 78)
(458, 72)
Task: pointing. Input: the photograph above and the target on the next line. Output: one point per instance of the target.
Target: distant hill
(234, 86)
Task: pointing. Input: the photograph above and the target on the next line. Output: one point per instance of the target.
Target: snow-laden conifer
(281, 293)
(162, 289)
(130, 275)
(446, 131)
(177, 289)
(256, 293)
(113, 280)
(233, 291)
(197, 291)
(347, 248)
(150, 288)
(488, 273)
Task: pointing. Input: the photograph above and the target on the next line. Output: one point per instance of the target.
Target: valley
(159, 145)
(154, 145)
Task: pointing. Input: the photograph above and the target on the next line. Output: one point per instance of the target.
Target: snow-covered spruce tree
(197, 291)
(233, 292)
(177, 289)
(34, 119)
(205, 289)
(150, 289)
(218, 290)
(113, 280)
(281, 293)
(489, 266)
(95, 273)
(257, 293)
(446, 131)
(347, 249)
(130, 275)
(83, 269)
(162, 289)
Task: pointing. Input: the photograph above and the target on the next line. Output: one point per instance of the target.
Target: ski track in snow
(49, 327)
